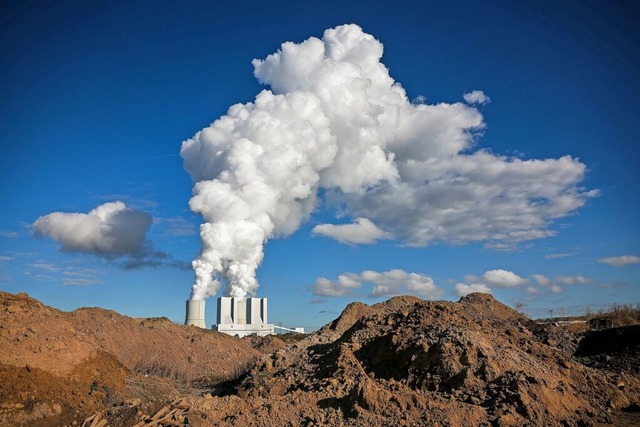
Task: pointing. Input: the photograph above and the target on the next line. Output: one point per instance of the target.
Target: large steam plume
(335, 119)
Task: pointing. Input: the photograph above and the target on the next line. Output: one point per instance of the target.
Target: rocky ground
(413, 362)
(402, 362)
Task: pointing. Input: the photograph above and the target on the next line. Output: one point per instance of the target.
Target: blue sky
(98, 97)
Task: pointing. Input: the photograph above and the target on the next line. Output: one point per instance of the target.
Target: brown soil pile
(58, 367)
(412, 362)
(402, 362)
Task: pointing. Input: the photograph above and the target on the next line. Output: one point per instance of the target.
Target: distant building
(242, 317)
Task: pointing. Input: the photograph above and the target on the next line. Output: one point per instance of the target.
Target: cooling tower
(195, 313)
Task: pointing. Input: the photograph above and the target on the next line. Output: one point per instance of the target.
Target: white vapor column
(334, 119)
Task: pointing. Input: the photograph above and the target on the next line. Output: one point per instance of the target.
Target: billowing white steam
(335, 119)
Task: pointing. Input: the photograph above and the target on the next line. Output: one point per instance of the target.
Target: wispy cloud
(573, 280)
(75, 276)
(9, 234)
(328, 312)
(560, 255)
(40, 277)
(556, 289)
(6, 278)
(80, 281)
(45, 266)
(620, 261)
(532, 290)
(175, 227)
(616, 284)
(541, 279)
(420, 99)
(476, 97)
(81, 272)
(140, 203)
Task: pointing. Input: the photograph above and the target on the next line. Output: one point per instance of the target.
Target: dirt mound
(347, 318)
(401, 362)
(266, 345)
(58, 367)
(413, 362)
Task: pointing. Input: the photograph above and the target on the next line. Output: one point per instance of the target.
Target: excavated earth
(411, 362)
(58, 368)
(402, 362)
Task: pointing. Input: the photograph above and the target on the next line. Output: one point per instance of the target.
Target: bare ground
(58, 367)
(402, 362)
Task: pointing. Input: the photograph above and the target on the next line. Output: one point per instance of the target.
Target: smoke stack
(195, 313)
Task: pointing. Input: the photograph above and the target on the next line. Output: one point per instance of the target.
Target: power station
(236, 316)
(242, 317)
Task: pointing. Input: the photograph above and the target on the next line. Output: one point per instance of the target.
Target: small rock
(474, 400)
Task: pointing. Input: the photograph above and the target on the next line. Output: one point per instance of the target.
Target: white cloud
(334, 125)
(476, 97)
(81, 272)
(503, 278)
(345, 284)
(555, 289)
(362, 232)
(80, 281)
(9, 234)
(462, 289)
(620, 261)
(80, 277)
(572, 280)
(616, 284)
(45, 266)
(532, 290)
(111, 230)
(541, 279)
(384, 284)
(559, 255)
(471, 197)
(5, 258)
(420, 99)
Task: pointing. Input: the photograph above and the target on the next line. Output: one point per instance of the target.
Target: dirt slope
(58, 367)
(413, 362)
(402, 362)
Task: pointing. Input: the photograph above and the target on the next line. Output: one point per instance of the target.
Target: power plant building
(243, 317)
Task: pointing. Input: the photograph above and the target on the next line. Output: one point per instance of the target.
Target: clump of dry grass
(172, 370)
(616, 315)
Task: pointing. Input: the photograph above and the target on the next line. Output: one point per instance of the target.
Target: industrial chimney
(195, 313)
